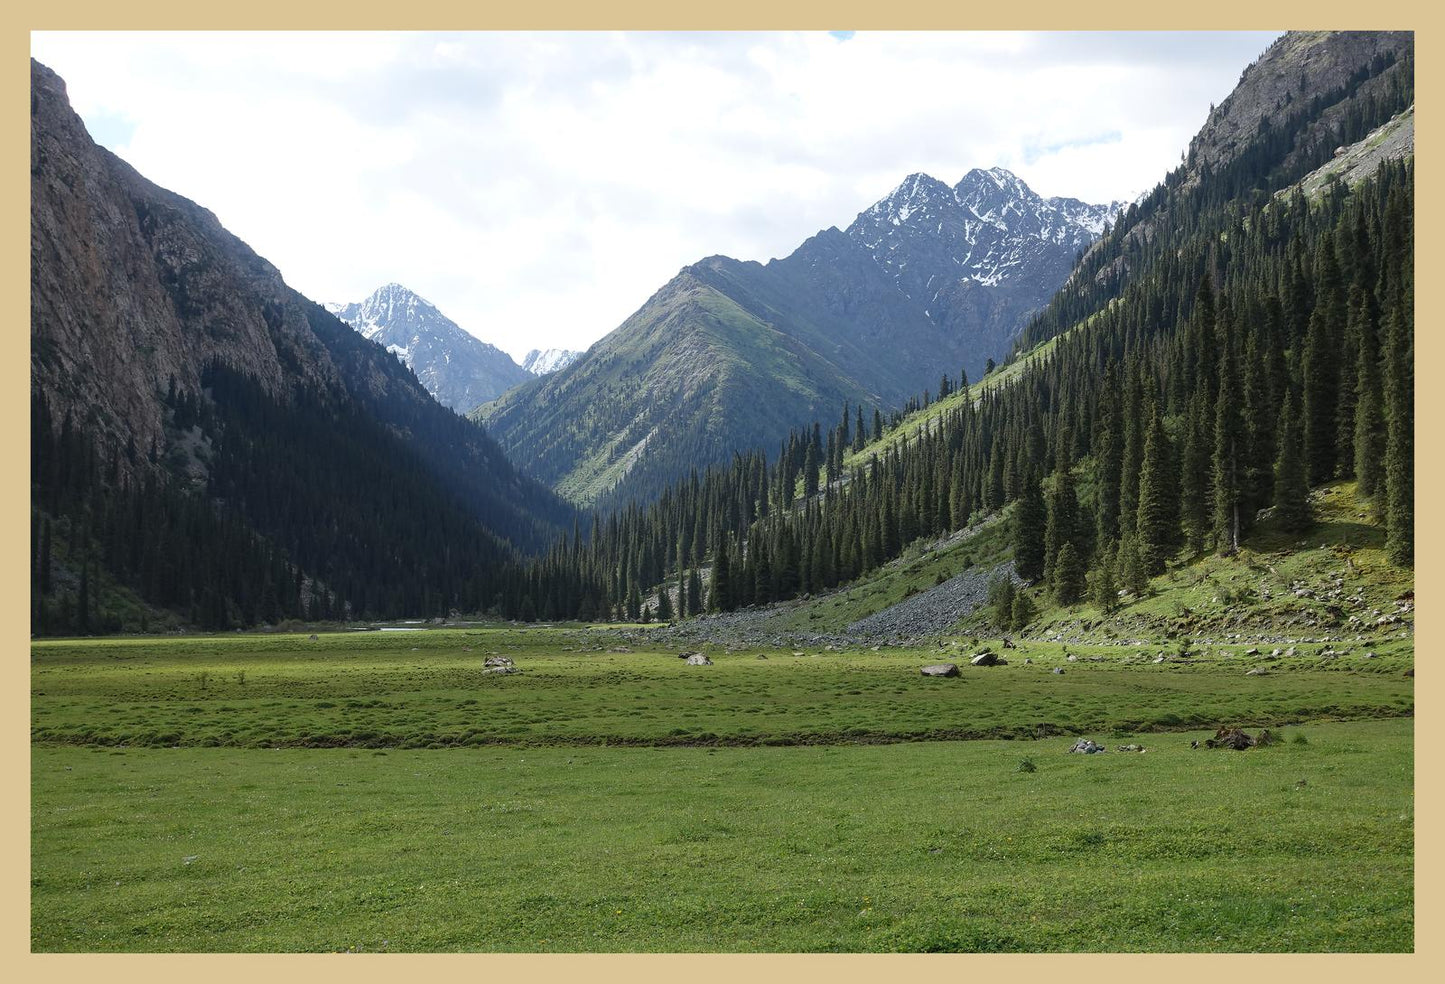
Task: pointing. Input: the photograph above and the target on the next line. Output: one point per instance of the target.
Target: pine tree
(1400, 443)
(1194, 485)
(1030, 521)
(1023, 611)
(694, 592)
(1291, 479)
(1158, 521)
(719, 583)
(1001, 593)
(1370, 431)
(1103, 591)
(1062, 524)
(1130, 568)
(1228, 438)
(1068, 575)
(1321, 366)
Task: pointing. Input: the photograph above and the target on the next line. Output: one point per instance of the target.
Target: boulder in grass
(698, 659)
(1234, 738)
(941, 670)
(1086, 746)
(500, 669)
(987, 658)
(1057, 671)
(1130, 748)
(498, 661)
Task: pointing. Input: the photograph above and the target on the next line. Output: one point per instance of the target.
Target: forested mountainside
(731, 355)
(458, 369)
(1253, 345)
(1234, 342)
(209, 445)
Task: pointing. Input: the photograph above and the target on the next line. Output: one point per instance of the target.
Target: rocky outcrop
(133, 287)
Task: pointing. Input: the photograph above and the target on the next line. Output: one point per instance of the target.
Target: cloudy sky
(539, 187)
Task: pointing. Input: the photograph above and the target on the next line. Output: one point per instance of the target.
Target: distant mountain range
(455, 366)
(542, 362)
(931, 279)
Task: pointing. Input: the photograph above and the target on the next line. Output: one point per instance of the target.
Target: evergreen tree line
(1252, 364)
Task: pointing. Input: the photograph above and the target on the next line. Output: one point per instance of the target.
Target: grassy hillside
(685, 381)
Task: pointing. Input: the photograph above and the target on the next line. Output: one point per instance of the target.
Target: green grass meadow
(377, 791)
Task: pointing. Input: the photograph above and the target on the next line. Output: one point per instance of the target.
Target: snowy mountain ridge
(988, 228)
(542, 362)
(460, 370)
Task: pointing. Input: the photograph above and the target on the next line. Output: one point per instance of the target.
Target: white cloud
(538, 188)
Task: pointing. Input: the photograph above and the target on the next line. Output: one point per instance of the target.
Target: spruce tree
(1194, 485)
(1400, 443)
(1023, 611)
(1370, 431)
(694, 592)
(1321, 367)
(1228, 438)
(719, 583)
(1291, 477)
(1103, 591)
(1068, 575)
(1030, 521)
(1158, 520)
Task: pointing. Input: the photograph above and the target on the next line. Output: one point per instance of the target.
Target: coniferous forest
(1228, 345)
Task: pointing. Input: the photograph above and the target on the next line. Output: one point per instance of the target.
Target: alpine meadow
(1001, 571)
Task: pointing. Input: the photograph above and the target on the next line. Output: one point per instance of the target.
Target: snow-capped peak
(989, 228)
(541, 362)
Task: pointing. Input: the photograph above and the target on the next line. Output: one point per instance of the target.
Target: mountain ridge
(460, 370)
(848, 313)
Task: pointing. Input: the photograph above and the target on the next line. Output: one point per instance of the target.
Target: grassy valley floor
(546, 835)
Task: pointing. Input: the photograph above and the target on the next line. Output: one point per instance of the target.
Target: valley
(888, 596)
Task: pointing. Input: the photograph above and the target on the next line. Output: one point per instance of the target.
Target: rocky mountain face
(1334, 68)
(543, 362)
(1316, 106)
(139, 299)
(732, 355)
(456, 367)
(979, 257)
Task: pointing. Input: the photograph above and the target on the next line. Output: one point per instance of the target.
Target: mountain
(212, 442)
(732, 354)
(456, 367)
(542, 362)
(1227, 379)
(1307, 98)
(979, 257)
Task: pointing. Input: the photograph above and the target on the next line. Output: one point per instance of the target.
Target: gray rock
(988, 659)
(698, 659)
(498, 661)
(941, 670)
(1085, 746)
(500, 669)
(1057, 671)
